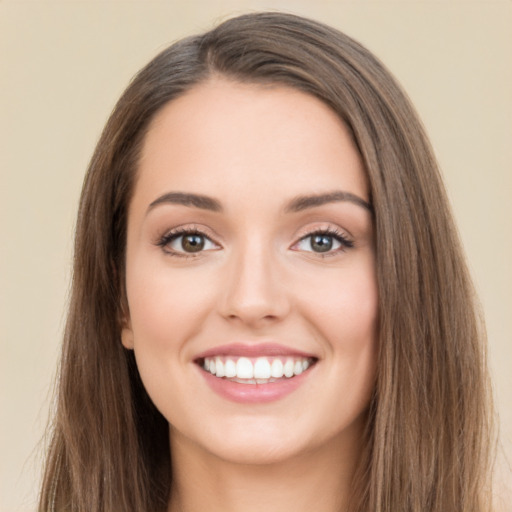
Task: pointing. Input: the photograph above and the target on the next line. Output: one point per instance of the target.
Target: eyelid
(313, 228)
(172, 234)
(336, 232)
(345, 240)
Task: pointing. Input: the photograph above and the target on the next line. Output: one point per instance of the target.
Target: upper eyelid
(171, 235)
(344, 240)
(188, 229)
(332, 230)
(329, 231)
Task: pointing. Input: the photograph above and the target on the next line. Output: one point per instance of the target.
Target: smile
(255, 373)
(260, 370)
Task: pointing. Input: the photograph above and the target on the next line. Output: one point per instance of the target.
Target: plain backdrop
(64, 64)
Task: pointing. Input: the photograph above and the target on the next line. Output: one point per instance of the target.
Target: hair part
(427, 434)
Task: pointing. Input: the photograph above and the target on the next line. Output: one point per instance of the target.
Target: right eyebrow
(304, 202)
(188, 199)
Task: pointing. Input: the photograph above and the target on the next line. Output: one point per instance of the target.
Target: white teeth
(219, 367)
(230, 368)
(288, 368)
(260, 371)
(276, 370)
(262, 368)
(244, 368)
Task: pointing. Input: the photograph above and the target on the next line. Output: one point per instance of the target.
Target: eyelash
(340, 237)
(171, 236)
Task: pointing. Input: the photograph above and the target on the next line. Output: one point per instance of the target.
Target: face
(250, 273)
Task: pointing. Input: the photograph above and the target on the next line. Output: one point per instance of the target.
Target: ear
(125, 325)
(127, 335)
(123, 317)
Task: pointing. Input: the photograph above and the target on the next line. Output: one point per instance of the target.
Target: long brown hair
(427, 433)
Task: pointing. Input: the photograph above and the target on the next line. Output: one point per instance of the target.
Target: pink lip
(252, 350)
(253, 393)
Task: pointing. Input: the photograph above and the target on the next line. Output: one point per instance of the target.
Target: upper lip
(253, 350)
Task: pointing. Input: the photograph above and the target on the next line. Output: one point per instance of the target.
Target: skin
(258, 279)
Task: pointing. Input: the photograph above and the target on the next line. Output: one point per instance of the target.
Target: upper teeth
(259, 368)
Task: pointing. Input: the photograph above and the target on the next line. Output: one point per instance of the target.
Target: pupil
(321, 243)
(192, 243)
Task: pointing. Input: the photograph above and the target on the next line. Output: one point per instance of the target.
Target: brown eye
(185, 243)
(192, 243)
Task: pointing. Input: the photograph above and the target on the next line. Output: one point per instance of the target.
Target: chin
(259, 442)
(257, 453)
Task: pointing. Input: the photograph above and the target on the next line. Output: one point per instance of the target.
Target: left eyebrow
(188, 199)
(299, 203)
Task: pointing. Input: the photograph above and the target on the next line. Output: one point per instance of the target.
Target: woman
(270, 307)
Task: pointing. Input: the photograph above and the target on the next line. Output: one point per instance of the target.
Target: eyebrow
(300, 203)
(297, 204)
(188, 199)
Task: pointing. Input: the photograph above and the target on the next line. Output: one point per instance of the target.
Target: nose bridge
(253, 290)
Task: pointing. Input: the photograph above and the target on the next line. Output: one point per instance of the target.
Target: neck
(317, 480)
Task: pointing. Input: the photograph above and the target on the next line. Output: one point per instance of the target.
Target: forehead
(223, 136)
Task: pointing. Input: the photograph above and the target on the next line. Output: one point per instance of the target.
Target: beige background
(63, 65)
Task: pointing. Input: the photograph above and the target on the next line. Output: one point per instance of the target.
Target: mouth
(255, 373)
(255, 370)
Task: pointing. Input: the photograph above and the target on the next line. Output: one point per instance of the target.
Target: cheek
(167, 309)
(166, 306)
(351, 326)
(344, 306)
(343, 310)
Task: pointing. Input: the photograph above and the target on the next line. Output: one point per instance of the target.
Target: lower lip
(254, 393)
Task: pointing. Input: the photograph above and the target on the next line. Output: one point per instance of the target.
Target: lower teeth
(251, 381)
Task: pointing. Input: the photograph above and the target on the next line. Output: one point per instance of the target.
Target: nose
(254, 293)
